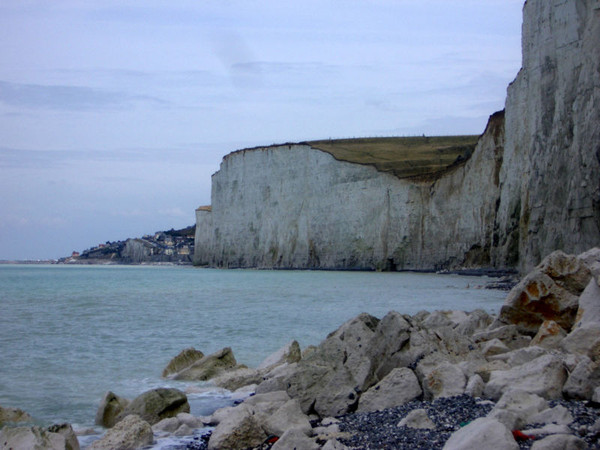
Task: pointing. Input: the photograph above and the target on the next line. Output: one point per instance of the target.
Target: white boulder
(520, 405)
(130, 433)
(400, 386)
(544, 376)
(560, 442)
(480, 432)
(295, 439)
(445, 380)
(288, 416)
(417, 419)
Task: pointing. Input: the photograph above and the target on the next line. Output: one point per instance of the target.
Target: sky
(115, 114)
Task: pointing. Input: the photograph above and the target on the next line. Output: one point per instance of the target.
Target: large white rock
(591, 258)
(475, 321)
(558, 415)
(208, 366)
(538, 297)
(130, 433)
(275, 379)
(480, 431)
(34, 438)
(263, 405)
(183, 360)
(445, 380)
(494, 347)
(560, 442)
(66, 430)
(111, 406)
(544, 376)
(583, 380)
(387, 348)
(237, 378)
(520, 405)
(288, 354)
(288, 416)
(400, 386)
(475, 386)
(13, 415)
(549, 335)
(239, 429)
(330, 378)
(157, 404)
(585, 336)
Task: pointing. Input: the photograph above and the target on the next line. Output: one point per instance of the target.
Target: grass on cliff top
(420, 157)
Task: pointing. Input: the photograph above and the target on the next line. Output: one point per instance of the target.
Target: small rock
(110, 407)
(550, 428)
(549, 335)
(168, 425)
(184, 430)
(475, 386)
(583, 380)
(558, 415)
(494, 347)
(13, 415)
(417, 419)
(66, 430)
(189, 420)
(560, 442)
(295, 439)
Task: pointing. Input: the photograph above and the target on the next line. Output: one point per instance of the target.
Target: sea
(69, 333)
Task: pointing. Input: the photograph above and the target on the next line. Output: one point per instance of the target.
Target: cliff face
(550, 196)
(531, 186)
(294, 206)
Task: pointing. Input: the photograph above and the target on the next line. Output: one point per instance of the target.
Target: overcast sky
(115, 114)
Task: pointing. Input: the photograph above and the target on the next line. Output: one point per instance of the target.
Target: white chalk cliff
(531, 186)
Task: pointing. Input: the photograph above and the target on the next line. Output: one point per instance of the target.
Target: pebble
(378, 430)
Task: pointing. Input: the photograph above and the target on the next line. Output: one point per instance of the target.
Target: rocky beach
(525, 198)
(526, 378)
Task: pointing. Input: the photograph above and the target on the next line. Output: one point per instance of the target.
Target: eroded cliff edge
(531, 186)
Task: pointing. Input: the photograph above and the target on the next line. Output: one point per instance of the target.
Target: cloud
(174, 212)
(15, 158)
(67, 98)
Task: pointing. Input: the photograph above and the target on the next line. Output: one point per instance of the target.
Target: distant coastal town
(166, 247)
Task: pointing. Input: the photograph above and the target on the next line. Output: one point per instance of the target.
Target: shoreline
(398, 366)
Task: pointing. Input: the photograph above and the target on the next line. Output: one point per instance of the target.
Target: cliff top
(405, 157)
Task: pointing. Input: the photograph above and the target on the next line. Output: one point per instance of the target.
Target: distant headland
(162, 247)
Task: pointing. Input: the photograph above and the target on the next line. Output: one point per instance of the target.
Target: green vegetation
(420, 157)
(188, 231)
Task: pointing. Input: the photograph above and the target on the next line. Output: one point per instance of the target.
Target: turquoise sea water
(70, 333)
